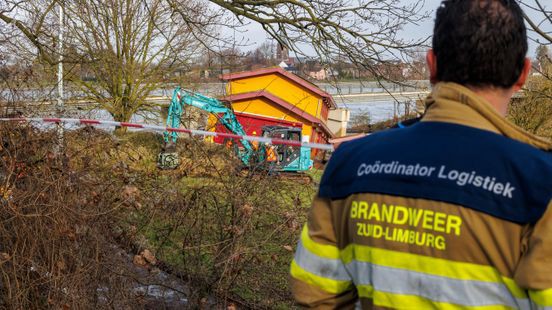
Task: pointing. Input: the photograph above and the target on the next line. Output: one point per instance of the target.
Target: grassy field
(226, 231)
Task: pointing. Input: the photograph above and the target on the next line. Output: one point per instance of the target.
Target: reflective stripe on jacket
(454, 212)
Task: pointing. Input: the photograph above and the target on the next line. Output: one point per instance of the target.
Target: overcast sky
(255, 35)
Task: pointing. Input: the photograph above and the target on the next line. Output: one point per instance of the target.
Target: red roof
(290, 76)
(289, 107)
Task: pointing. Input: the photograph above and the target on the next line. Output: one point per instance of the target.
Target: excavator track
(299, 177)
(302, 178)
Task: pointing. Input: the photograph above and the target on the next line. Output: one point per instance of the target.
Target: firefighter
(271, 154)
(453, 212)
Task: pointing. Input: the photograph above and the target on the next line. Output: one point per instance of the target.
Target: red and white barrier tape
(93, 122)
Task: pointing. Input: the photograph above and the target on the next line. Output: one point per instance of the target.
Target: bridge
(356, 93)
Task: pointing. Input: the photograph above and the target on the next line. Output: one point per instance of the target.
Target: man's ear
(431, 60)
(523, 76)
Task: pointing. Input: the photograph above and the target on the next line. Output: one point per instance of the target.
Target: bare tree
(262, 55)
(132, 47)
(120, 50)
(539, 19)
(365, 32)
(532, 110)
(266, 51)
(22, 68)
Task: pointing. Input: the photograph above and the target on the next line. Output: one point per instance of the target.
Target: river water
(377, 110)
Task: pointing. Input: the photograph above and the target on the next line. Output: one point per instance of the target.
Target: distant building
(323, 74)
(289, 66)
(319, 75)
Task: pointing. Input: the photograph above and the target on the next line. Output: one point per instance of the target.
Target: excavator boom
(225, 115)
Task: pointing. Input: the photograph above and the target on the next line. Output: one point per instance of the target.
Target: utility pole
(60, 107)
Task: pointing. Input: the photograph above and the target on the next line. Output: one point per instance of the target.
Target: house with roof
(274, 96)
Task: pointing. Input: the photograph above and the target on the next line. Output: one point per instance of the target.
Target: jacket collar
(453, 103)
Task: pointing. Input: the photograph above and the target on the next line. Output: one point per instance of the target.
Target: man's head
(479, 43)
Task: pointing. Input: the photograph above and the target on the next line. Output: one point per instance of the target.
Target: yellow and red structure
(273, 96)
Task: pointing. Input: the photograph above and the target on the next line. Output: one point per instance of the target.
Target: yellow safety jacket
(271, 154)
(454, 212)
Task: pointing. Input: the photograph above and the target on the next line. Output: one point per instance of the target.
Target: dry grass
(55, 236)
(225, 232)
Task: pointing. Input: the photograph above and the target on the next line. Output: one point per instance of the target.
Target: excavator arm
(223, 113)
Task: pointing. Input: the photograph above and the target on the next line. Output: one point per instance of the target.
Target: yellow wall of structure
(280, 87)
(262, 107)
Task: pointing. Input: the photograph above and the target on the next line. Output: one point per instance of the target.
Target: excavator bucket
(168, 161)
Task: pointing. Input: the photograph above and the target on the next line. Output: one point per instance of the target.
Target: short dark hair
(480, 42)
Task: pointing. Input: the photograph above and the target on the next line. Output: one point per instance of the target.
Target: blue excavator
(271, 157)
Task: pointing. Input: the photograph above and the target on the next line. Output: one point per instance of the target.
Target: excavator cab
(282, 157)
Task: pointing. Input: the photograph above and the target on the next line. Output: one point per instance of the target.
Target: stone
(139, 260)
(149, 257)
